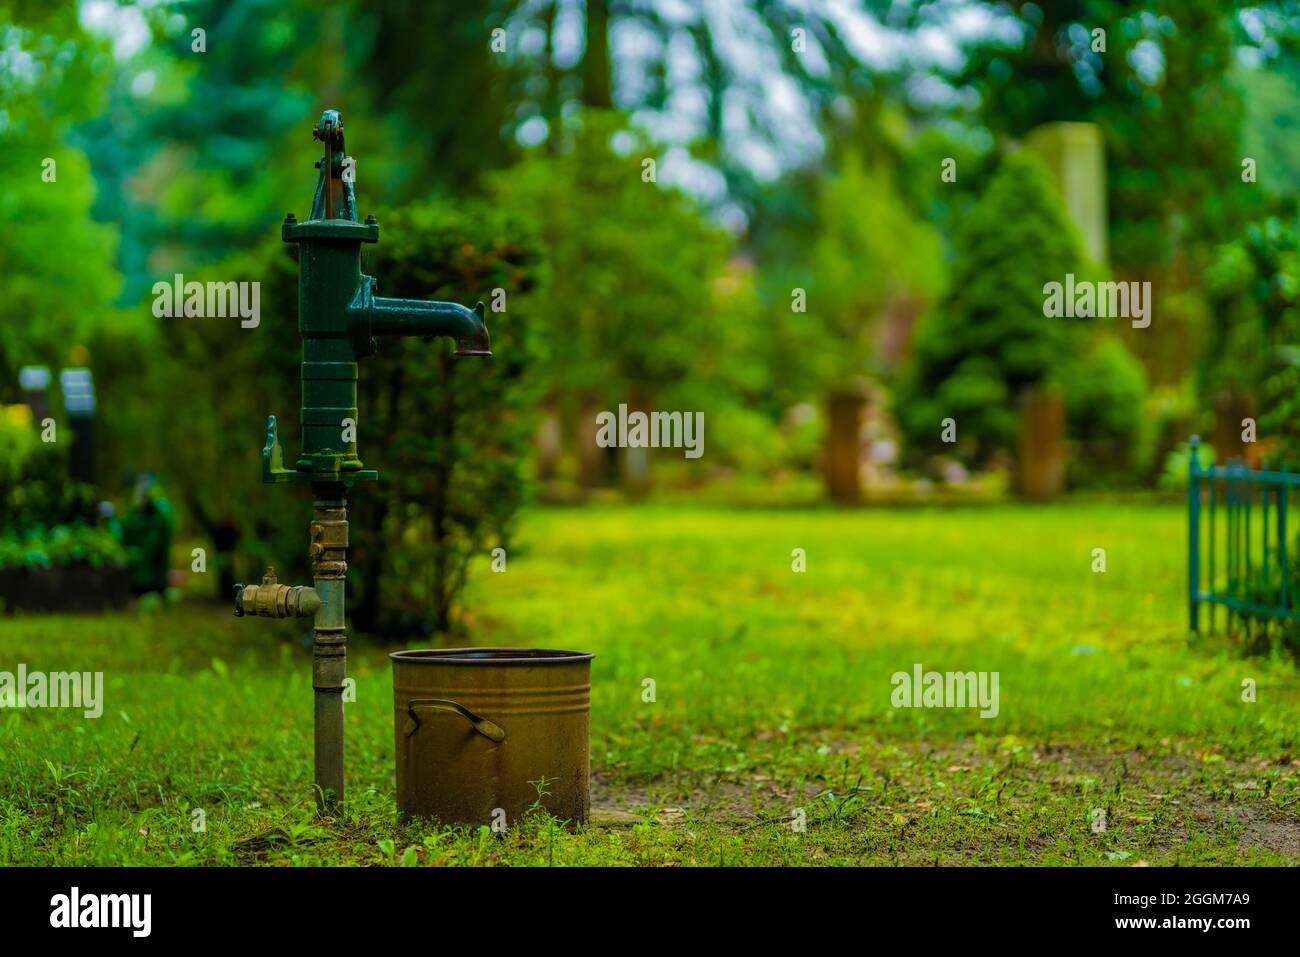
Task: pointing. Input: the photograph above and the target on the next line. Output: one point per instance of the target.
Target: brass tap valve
(273, 600)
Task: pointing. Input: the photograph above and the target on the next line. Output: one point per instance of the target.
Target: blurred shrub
(1173, 476)
(1104, 393)
(1168, 420)
(35, 491)
(805, 427)
(60, 546)
(1104, 390)
(745, 439)
(449, 436)
(19, 440)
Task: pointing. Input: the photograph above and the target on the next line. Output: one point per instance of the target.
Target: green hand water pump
(340, 317)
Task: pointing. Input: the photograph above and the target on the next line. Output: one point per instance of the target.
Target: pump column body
(330, 284)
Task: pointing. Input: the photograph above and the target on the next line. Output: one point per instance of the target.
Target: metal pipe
(324, 600)
(329, 545)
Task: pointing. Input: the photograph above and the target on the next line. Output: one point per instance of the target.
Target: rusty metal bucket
(476, 730)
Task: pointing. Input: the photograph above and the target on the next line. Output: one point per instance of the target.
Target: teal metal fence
(1237, 559)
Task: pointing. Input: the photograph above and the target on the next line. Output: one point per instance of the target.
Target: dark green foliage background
(450, 436)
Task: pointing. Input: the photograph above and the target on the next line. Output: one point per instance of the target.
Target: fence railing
(1244, 566)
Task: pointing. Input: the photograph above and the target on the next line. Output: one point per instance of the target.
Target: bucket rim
(488, 656)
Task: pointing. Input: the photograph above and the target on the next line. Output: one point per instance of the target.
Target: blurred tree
(818, 226)
(58, 264)
(859, 268)
(1160, 80)
(1253, 350)
(1160, 90)
(988, 339)
(729, 81)
(859, 264)
(34, 489)
(191, 184)
(1271, 127)
(731, 380)
(778, 241)
(444, 93)
(597, 71)
(626, 312)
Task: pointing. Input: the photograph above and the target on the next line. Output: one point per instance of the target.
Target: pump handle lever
(330, 132)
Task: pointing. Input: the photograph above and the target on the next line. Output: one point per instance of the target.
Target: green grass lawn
(773, 694)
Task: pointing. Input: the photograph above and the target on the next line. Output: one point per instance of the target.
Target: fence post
(1193, 534)
(1282, 504)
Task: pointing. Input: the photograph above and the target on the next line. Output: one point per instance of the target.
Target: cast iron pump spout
(339, 318)
(382, 316)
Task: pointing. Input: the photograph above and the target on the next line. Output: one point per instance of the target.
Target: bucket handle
(481, 724)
